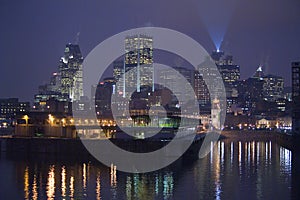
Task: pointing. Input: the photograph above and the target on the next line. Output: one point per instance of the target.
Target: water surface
(233, 170)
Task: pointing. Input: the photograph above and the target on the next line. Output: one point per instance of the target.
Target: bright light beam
(216, 16)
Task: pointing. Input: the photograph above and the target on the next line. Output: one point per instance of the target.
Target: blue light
(217, 39)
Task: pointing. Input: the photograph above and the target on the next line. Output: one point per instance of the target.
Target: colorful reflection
(236, 163)
(233, 167)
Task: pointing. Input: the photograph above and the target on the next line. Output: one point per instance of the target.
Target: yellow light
(63, 121)
(51, 118)
(25, 117)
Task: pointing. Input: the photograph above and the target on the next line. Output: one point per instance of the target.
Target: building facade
(273, 87)
(296, 97)
(70, 70)
(138, 63)
(65, 85)
(170, 77)
(10, 107)
(230, 73)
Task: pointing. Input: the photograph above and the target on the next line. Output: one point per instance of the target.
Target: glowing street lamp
(26, 119)
(51, 119)
(63, 122)
(26, 122)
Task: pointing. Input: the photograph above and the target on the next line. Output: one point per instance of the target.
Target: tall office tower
(138, 63)
(272, 88)
(118, 74)
(250, 94)
(295, 79)
(296, 97)
(229, 72)
(103, 93)
(70, 70)
(170, 77)
(201, 89)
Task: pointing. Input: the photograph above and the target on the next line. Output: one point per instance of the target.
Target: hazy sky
(34, 33)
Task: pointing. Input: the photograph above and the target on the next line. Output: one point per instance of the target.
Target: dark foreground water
(233, 170)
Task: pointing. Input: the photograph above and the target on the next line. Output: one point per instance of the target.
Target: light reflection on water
(233, 170)
(63, 181)
(98, 187)
(285, 159)
(50, 190)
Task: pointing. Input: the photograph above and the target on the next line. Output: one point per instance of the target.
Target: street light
(26, 119)
(26, 123)
(63, 122)
(51, 119)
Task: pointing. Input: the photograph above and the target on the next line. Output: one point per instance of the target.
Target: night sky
(34, 33)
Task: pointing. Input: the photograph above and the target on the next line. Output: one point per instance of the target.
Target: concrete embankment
(43, 145)
(74, 147)
(288, 141)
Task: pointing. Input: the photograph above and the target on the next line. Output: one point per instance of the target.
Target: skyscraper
(295, 79)
(65, 85)
(272, 87)
(118, 74)
(229, 72)
(296, 96)
(250, 94)
(170, 77)
(138, 62)
(201, 89)
(70, 70)
(103, 93)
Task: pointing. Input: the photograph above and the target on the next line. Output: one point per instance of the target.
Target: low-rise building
(10, 107)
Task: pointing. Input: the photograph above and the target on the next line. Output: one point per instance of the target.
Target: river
(233, 170)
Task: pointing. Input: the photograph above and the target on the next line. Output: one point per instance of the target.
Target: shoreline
(289, 141)
(66, 146)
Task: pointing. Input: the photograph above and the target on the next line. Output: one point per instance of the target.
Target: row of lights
(64, 121)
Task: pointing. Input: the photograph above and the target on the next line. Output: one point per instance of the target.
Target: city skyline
(250, 34)
(110, 73)
(193, 99)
